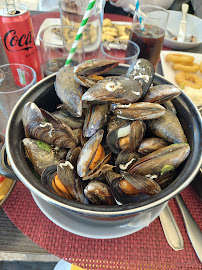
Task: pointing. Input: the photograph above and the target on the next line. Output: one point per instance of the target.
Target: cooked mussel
(114, 89)
(142, 71)
(62, 180)
(46, 129)
(68, 90)
(161, 93)
(126, 136)
(40, 154)
(88, 73)
(161, 161)
(149, 145)
(128, 188)
(167, 127)
(138, 110)
(99, 193)
(95, 119)
(91, 154)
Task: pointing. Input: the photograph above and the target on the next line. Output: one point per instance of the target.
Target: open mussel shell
(85, 72)
(126, 136)
(126, 158)
(95, 119)
(141, 183)
(47, 177)
(121, 197)
(71, 181)
(40, 124)
(100, 168)
(142, 71)
(87, 153)
(113, 137)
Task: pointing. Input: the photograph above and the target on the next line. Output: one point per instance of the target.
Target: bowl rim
(93, 210)
(192, 44)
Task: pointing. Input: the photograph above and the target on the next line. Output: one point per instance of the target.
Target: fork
(193, 230)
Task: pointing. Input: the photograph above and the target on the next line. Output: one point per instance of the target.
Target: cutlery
(193, 230)
(5, 168)
(171, 229)
(182, 31)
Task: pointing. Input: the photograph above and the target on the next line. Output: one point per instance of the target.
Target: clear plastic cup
(15, 80)
(55, 44)
(124, 51)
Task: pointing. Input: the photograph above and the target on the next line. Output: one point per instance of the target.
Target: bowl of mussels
(105, 142)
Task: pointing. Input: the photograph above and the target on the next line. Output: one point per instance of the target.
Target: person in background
(124, 4)
(195, 5)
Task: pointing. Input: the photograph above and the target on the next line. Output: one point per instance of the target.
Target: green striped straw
(80, 31)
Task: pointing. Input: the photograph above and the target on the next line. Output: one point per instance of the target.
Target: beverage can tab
(10, 6)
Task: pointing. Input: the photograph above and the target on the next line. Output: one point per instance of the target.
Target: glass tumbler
(55, 44)
(15, 80)
(149, 34)
(124, 51)
(72, 12)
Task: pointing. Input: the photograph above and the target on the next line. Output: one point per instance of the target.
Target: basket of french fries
(115, 30)
(187, 70)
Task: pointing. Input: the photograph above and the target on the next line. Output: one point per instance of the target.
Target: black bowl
(43, 94)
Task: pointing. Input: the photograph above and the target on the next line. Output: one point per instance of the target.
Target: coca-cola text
(13, 43)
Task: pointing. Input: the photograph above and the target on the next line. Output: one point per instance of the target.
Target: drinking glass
(124, 51)
(15, 80)
(149, 35)
(72, 12)
(55, 44)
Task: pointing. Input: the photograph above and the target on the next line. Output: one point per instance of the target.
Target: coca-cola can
(17, 35)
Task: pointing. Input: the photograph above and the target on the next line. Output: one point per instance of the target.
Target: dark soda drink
(150, 42)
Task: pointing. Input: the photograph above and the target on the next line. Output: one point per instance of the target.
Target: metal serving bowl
(43, 94)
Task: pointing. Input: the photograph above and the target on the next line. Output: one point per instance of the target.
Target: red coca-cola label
(18, 39)
(14, 42)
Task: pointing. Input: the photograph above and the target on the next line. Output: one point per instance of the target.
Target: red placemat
(145, 249)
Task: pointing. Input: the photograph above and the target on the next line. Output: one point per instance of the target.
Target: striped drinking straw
(137, 5)
(80, 31)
